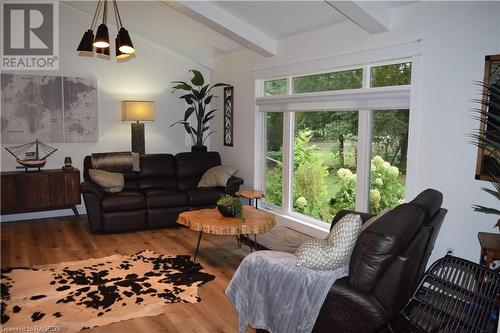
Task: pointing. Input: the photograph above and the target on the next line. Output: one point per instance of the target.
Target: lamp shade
(120, 54)
(86, 42)
(124, 42)
(138, 111)
(102, 37)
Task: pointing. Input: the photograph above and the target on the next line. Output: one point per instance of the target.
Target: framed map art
(228, 116)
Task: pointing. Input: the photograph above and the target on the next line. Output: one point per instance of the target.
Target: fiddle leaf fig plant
(198, 96)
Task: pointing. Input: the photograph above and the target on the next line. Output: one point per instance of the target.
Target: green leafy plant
(198, 96)
(385, 189)
(487, 138)
(230, 201)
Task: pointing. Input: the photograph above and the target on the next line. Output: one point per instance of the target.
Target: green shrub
(385, 189)
(310, 191)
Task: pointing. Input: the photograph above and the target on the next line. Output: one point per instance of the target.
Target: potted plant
(490, 143)
(198, 96)
(230, 206)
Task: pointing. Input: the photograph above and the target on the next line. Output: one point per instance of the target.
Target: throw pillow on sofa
(217, 176)
(111, 182)
(334, 251)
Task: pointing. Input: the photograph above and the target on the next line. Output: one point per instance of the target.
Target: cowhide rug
(75, 295)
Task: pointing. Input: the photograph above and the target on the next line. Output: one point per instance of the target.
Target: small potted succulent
(230, 206)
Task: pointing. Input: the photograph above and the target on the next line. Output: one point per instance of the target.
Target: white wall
(147, 77)
(456, 37)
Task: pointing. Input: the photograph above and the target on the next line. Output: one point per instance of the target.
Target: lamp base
(138, 144)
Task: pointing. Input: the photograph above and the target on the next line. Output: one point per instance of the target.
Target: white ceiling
(158, 22)
(280, 19)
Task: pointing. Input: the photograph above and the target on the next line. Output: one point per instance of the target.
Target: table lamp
(137, 111)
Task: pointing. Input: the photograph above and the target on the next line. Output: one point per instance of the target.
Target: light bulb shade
(102, 37)
(138, 111)
(124, 41)
(119, 54)
(86, 42)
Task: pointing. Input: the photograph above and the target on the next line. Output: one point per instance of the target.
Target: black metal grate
(455, 295)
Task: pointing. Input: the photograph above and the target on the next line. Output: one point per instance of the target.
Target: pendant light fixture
(86, 44)
(123, 42)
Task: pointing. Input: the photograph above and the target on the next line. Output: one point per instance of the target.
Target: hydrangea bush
(310, 189)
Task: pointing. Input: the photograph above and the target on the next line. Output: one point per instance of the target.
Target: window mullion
(366, 77)
(288, 126)
(363, 160)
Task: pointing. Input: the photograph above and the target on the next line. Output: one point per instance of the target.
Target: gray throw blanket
(271, 292)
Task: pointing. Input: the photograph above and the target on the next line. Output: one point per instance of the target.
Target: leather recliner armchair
(154, 197)
(387, 262)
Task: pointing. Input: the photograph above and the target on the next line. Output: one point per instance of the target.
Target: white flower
(301, 202)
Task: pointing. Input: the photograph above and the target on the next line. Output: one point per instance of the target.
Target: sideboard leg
(75, 211)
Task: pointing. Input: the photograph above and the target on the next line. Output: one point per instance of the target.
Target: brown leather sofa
(387, 262)
(154, 197)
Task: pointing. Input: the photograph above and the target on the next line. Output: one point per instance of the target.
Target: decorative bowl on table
(230, 206)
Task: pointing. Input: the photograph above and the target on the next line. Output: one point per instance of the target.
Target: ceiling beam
(228, 25)
(373, 17)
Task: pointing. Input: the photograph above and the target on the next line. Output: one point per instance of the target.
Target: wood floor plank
(48, 241)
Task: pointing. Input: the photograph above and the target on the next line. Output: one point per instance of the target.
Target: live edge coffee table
(210, 221)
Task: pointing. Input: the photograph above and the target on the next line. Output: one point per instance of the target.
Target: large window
(274, 158)
(388, 159)
(339, 151)
(324, 161)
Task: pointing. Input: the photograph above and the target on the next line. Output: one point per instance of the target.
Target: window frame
(365, 129)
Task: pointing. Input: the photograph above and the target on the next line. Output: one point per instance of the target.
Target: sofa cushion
(204, 196)
(217, 176)
(334, 251)
(189, 167)
(111, 182)
(158, 197)
(379, 243)
(124, 200)
(157, 170)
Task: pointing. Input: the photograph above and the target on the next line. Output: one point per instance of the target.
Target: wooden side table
(251, 194)
(490, 247)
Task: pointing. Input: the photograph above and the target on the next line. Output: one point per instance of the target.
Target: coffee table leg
(250, 242)
(255, 241)
(197, 246)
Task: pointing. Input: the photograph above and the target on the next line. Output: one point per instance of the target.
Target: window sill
(298, 223)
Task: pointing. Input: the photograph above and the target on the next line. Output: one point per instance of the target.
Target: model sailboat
(32, 154)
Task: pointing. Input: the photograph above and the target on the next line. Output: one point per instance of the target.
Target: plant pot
(198, 148)
(226, 211)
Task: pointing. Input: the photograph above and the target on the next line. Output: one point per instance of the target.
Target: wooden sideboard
(23, 192)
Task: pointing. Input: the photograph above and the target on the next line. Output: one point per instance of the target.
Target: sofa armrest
(349, 310)
(233, 185)
(90, 187)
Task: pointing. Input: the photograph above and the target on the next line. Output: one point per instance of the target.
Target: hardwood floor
(48, 241)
